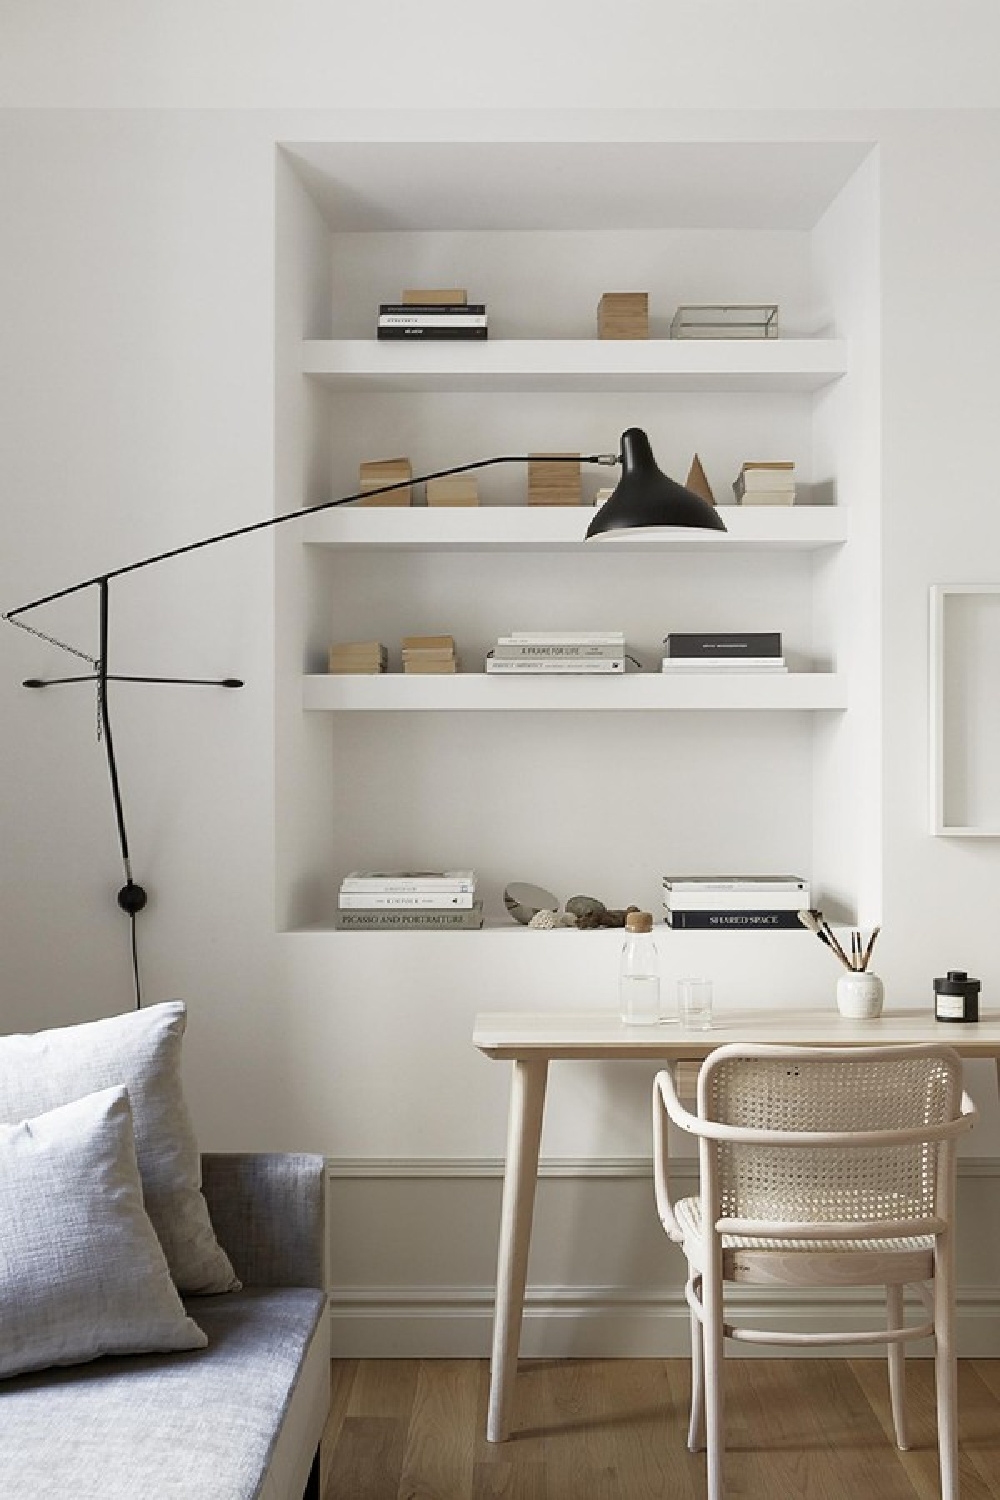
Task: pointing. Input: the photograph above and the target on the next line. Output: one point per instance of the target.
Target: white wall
(136, 382)
(559, 54)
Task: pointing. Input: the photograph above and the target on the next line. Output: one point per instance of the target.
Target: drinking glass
(694, 1003)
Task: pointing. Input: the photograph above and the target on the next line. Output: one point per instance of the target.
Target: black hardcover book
(729, 643)
(432, 309)
(419, 331)
(733, 921)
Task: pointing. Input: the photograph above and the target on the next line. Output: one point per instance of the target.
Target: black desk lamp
(644, 497)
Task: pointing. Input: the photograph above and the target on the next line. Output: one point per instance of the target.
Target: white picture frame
(964, 696)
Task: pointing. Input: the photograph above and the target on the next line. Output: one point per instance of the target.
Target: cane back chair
(819, 1166)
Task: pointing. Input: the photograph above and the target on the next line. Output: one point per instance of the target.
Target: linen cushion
(82, 1272)
(140, 1051)
(209, 1425)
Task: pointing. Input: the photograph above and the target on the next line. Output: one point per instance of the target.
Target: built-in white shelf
(396, 692)
(576, 364)
(563, 528)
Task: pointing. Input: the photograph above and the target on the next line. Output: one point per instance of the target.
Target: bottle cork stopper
(639, 921)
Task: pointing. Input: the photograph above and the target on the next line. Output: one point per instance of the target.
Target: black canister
(956, 998)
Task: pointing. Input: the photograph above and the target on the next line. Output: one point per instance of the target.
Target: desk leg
(524, 1132)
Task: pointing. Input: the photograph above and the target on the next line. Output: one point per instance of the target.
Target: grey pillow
(141, 1052)
(81, 1269)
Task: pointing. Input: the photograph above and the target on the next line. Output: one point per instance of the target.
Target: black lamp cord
(132, 897)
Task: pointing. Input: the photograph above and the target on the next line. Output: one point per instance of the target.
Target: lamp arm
(270, 522)
(132, 897)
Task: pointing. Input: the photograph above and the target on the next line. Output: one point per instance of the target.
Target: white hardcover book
(563, 637)
(548, 650)
(539, 667)
(767, 479)
(724, 664)
(739, 900)
(378, 900)
(432, 320)
(735, 883)
(409, 880)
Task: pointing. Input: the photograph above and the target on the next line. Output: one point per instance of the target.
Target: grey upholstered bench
(239, 1420)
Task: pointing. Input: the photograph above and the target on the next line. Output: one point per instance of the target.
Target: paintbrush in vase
(861, 951)
(816, 923)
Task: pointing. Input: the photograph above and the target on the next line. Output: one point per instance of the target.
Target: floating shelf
(576, 364)
(477, 692)
(562, 528)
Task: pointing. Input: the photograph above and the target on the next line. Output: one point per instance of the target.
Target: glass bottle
(639, 974)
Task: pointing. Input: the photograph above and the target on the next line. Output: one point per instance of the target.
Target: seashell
(543, 919)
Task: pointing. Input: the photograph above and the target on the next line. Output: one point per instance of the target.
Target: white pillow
(140, 1051)
(81, 1269)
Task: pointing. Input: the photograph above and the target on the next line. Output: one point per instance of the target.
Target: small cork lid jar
(639, 921)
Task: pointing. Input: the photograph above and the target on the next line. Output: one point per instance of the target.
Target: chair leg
(946, 1367)
(311, 1491)
(897, 1365)
(714, 1396)
(696, 1425)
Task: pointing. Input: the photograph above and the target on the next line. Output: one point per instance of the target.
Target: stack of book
(559, 651)
(719, 903)
(377, 473)
(358, 656)
(554, 479)
(375, 899)
(766, 483)
(429, 653)
(623, 315)
(432, 320)
(730, 651)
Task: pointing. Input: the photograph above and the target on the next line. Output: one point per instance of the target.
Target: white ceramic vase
(860, 996)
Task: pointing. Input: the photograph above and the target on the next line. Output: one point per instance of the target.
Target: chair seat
(688, 1212)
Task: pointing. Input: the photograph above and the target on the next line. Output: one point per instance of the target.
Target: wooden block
(383, 471)
(623, 315)
(357, 656)
(697, 481)
(444, 296)
(455, 490)
(428, 643)
(554, 483)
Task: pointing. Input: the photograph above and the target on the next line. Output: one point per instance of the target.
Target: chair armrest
(664, 1099)
(269, 1212)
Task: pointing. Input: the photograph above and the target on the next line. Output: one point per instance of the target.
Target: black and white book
(421, 331)
(402, 919)
(771, 918)
(730, 643)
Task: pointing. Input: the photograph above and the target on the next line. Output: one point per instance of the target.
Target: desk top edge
(600, 1034)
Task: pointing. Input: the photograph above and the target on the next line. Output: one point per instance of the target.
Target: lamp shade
(644, 496)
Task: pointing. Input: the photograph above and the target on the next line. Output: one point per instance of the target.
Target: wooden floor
(615, 1430)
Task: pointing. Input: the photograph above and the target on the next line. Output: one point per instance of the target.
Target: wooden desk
(531, 1042)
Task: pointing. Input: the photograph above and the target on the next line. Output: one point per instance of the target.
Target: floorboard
(599, 1429)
